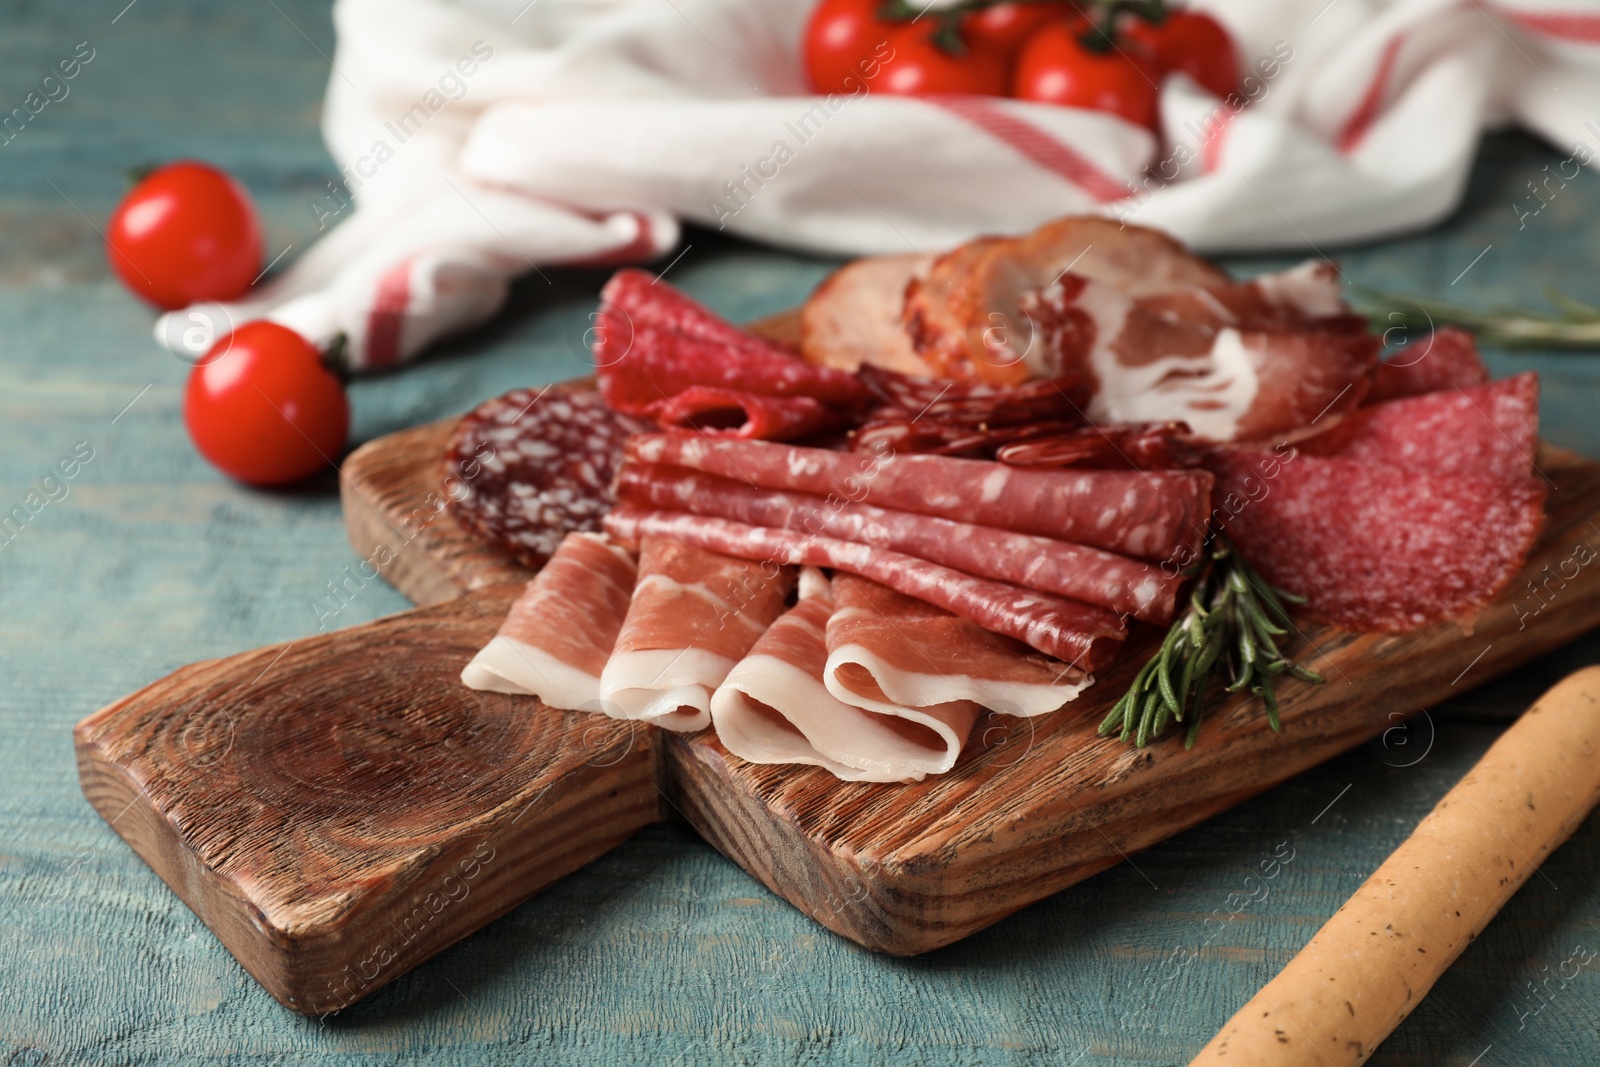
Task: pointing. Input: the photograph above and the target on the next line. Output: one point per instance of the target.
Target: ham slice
(887, 652)
(693, 615)
(556, 640)
(854, 317)
(775, 708)
(1094, 576)
(1146, 514)
(1078, 633)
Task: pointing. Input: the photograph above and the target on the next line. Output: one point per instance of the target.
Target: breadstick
(1376, 958)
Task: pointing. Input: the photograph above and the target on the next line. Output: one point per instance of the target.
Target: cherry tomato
(1056, 68)
(1193, 43)
(187, 232)
(842, 43)
(916, 65)
(262, 407)
(1007, 25)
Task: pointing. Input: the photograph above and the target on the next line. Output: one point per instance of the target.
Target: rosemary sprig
(1574, 323)
(1232, 624)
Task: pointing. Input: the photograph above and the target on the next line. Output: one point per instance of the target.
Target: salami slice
(1083, 636)
(739, 413)
(1446, 358)
(1114, 582)
(1146, 514)
(533, 466)
(1377, 547)
(1488, 429)
(1136, 445)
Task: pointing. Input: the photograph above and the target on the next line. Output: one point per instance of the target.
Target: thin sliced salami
(1136, 445)
(1146, 514)
(1446, 358)
(739, 413)
(534, 466)
(1114, 582)
(1488, 429)
(1084, 636)
(1377, 547)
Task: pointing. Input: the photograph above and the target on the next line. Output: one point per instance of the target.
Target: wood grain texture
(1035, 806)
(340, 808)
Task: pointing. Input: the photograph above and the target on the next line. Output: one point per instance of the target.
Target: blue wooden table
(661, 952)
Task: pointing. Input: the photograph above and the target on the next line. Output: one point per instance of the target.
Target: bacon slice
(1080, 634)
(1444, 359)
(887, 652)
(774, 708)
(693, 615)
(1145, 514)
(556, 640)
(854, 317)
(1078, 572)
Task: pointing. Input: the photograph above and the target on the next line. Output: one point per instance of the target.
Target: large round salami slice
(527, 468)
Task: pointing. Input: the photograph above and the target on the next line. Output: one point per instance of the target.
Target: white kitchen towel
(481, 139)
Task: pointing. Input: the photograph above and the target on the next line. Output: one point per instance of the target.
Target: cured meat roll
(774, 707)
(1081, 634)
(694, 614)
(1092, 575)
(1147, 514)
(888, 652)
(555, 641)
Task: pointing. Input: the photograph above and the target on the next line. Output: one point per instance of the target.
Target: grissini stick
(1376, 958)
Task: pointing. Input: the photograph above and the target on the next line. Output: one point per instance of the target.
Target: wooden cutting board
(339, 808)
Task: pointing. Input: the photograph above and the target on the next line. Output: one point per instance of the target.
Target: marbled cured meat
(1080, 634)
(559, 634)
(694, 614)
(535, 465)
(1444, 359)
(1092, 575)
(1143, 514)
(774, 708)
(739, 413)
(889, 651)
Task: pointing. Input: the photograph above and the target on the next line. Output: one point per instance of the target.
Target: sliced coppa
(1444, 359)
(855, 316)
(1488, 429)
(1377, 547)
(533, 466)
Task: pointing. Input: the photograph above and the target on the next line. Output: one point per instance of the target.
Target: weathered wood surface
(661, 951)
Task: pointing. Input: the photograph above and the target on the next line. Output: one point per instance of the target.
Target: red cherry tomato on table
(187, 232)
(262, 407)
(1006, 26)
(1057, 68)
(842, 41)
(1193, 43)
(917, 65)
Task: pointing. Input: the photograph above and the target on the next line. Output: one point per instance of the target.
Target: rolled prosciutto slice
(555, 641)
(1080, 634)
(887, 651)
(1147, 514)
(1123, 585)
(775, 708)
(694, 614)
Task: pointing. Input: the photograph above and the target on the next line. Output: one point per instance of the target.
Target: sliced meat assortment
(1488, 429)
(534, 465)
(694, 614)
(888, 651)
(1446, 358)
(1082, 635)
(1378, 547)
(1143, 514)
(556, 640)
(774, 708)
(1094, 576)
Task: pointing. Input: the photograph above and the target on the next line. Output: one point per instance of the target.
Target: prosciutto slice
(694, 614)
(556, 640)
(775, 708)
(1094, 576)
(887, 651)
(1081, 634)
(1146, 514)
